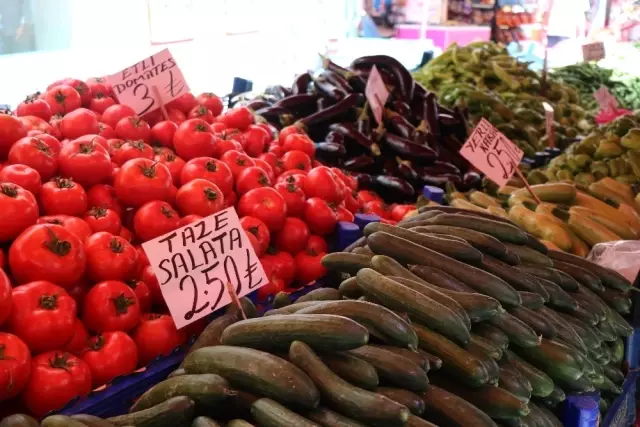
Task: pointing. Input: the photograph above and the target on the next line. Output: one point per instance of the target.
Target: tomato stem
(49, 302)
(64, 182)
(116, 246)
(57, 246)
(61, 362)
(9, 190)
(210, 194)
(98, 212)
(122, 304)
(211, 166)
(98, 343)
(166, 212)
(2, 355)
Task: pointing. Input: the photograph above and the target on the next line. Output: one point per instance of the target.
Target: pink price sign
(492, 153)
(377, 93)
(134, 86)
(607, 101)
(195, 262)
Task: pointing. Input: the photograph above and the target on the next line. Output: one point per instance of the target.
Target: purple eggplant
(277, 91)
(471, 180)
(401, 108)
(299, 105)
(406, 170)
(337, 80)
(439, 167)
(330, 113)
(336, 137)
(431, 113)
(277, 116)
(399, 124)
(402, 79)
(258, 104)
(328, 64)
(453, 157)
(349, 131)
(330, 151)
(301, 83)
(448, 119)
(327, 89)
(393, 188)
(407, 148)
(365, 180)
(361, 163)
(439, 180)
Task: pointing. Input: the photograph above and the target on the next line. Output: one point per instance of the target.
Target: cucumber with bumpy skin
(531, 300)
(536, 321)
(321, 294)
(345, 262)
(512, 381)
(493, 334)
(176, 411)
(352, 369)
(500, 230)
(541, 384)
(519, 333)
(447, 409)
(269, 413)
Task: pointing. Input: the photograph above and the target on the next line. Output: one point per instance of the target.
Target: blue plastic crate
(622, 412)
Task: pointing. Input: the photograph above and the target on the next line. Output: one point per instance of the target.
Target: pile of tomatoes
(84, 181)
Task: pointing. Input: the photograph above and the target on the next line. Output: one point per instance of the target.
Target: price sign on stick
(134, 86)
(593, 51)
(607, 101)
(194, 264)
(377, 93)
(548, 115)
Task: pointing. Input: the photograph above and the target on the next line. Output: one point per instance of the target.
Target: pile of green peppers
(484, 78)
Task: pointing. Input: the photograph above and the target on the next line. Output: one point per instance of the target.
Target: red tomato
(115, 113)
(63, 196)
(299, 142)
(194, 138)
(56, 378)
(101, 219)
(18, 210)
(281, 265)
(139, 181)
(365, 196)
(151, 280)
(309, 266)
(317, 244)
(15, 365)
(99, 86)
(133, 128)
(51, 141)
(106, 132)
(351, 202)
(78, 123)
(321, 218)
(63, 99)
(173, 163)
(271, 159)
(111, 306)
(378, 208)
(126, 234)
(199, 197)
(289, 130)
(323, 183)
(5, 292)
(162, 133)
(81, 87)
(32, 152)
(11, 130)
(104, 196)
(78, 342)
(237, 118)
(400, 211)
(188, 219)
(76, 226)
(201, 112)
(237, 162)
(296, 160)
(142, 293)
(184, 102)
(211, 102)
(293, 196)
(122, 152)
(24, 176)
(3, 265)
(344, 214)
(230, 200)
(34, 106)
(257, 140)
(253, 226)
(55, 121)
(293, 236)
(298, 177)
(110, 257)
(33, 123)
(250, 178)
(42, 315)
(274, 287)
(99, 104)
(266, 167)
(224, 145)
(87, 162)
(110, 355)
(218, 127)
(156, 336)
(154, 219)
(176, 116)
(266, 204)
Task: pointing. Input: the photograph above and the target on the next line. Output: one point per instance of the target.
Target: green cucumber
(558, 298)
(321, 294)
(455, 360)
(502, 231)
(556, 397)
(541, 384)
(435, 362)
(529, 256)
(91, 421)
(512, 381)
(564, 330)
(238, 423)
(269, 413)
(293, 308)
(559, 361)
(541, 272)
(352, 369)
(413, 355)
(519, 333)
(19, 420)
(489, 363)
(248, 308)
(450, 209)
(567, 282)
(393, 368)
(204, 389)
(379, 321)
(407, 252)
(362, 405)
(610, 387)
(447, 409)
(418, 306)
(345, 262)
(581, 385)
(61, 421)
(404, 397)
(552, 420)
(612, 279)
(536, 320)
(617, 300)
(486, 346)
(414, 421)
(362, 250)
(582, 275)
(493, 334)
(531, 300)
(617, 351)
(211, 334)
(481, 241)
(439, 278)
(614, 373)
(349, 288)
(282, 299)
(480, 308)
(176, 411)
(598, 308)
(584, 331)
(204, 422)
(252, 370)
(327, 418)
(322, 331)
(517, 279)
(603, 405)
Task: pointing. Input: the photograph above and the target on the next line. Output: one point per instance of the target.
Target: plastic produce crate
(622, 412)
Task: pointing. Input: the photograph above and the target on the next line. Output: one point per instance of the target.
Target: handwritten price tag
(593, 51)
(607, 101)
(134, 85)
(492, 153)
(194, 263)
(377, 93)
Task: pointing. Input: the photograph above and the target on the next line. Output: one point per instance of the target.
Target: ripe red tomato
(293, 236)
(78, 123)
(289, 130)
(250, 178)
(351, 202)
(299, 142)
(317, 244)
(293, 196)
(115, 113)
(156, 336)
(101, 219)
(42, 315)
(133, 128)
(63, 196)
(109, 355)
(111, 306)
(199, 197)
(194, 138)
(323, 183)
(295, 160)
(255, 227)
(176, 116)
(237, 162)
(365, 196)
(274, 287)
(142, 293)
(99, 86)
(344, 214)
(100, 103)
(223, 145)
(266, 204)
(5, 293)
(15, 365)
(173, 163)
(201, 112)
(188, 219)
(33, 123)
(271, 159)
(377, 207)
(32, 152)
(184, 102)
(400, 211)
(24, 176)
(280, 264)
(104, 196)
(266, 167)
(51, 141)
(309, 266)
(18, 210)
(110, 257)
(56, 378)
(139, 181)
(123, 151)
(63, 99)
(162, 133)
(257, 140)
(148, 277)
(78, 342)
(106, 132)
(11, 130)
(81, 87)
(76, 226)
(237, 118)
(321, 218)
(86, 162)
(211, 102)
(213, 170)
(154, 219)
(34, 106)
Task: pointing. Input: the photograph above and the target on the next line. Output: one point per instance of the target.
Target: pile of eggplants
(417, 144)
